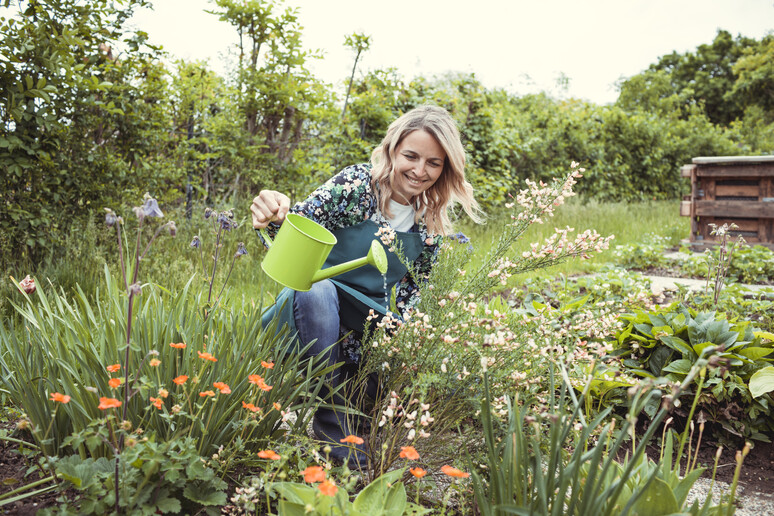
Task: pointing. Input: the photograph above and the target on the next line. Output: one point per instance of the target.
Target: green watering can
(299, 250)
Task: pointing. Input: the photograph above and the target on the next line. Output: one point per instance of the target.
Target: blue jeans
(317, 317)
(316, 314)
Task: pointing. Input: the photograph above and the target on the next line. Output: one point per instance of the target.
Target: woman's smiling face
(419, 161)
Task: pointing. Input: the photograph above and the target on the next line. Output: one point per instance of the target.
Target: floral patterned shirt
(347, 199)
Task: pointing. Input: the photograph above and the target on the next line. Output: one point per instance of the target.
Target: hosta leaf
(678, 345)
(762, 381)
(764, 335)
(755, 353)
(682, 366)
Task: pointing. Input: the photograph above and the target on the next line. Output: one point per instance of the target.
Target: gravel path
(749, 503)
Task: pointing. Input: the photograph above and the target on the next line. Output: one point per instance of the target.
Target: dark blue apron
(360, 290)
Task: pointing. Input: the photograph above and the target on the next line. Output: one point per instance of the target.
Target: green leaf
(682, 366)
(296, 493)
(754, 353)
(762, 382)
(656, 500)
(764, 335)
(380, 497)
(168, 505)
(678, 345)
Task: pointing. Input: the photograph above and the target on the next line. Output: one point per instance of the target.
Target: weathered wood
(738, 171)
(722, 190)
(742, 209)
(710, 160)
(686, 170)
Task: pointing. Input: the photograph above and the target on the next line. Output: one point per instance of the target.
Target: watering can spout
(376, 257)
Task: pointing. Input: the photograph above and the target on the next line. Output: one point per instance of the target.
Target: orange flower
(267, 365)
(207, 356)
(222, 387)
(154, 362)
(179, 345)
(454, 472)
(204, 394)
(313, 474)
(408, 452)
(328, 488)
(114, 382)
(61, 398)
(113, 368)
(276, 406)
(180, 380)
(157, 402)
(352, 439)
(418, 472)
(251, 407)
(263, 386)
(269, 454)
(254, 379)
(106, 403)
(163, 393)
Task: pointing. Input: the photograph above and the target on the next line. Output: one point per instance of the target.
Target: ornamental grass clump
(430, 364)
(140, 364)
(556, 461)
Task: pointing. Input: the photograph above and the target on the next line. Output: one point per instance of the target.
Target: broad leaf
(762, 381)
(657, 500)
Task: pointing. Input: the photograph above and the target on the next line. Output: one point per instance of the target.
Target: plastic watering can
(299, 250)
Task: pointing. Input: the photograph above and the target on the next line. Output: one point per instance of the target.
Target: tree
(755, 77)
(276, 93)
(707, 75)
(359, 43)
(74, 119)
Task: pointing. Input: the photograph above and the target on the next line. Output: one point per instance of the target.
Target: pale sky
(520, 45)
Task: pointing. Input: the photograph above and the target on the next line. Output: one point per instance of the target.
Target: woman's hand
(269, 206)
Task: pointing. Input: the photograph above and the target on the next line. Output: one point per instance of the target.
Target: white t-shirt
(402, 216)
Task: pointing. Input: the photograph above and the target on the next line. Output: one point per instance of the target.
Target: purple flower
(151, 208)
(241, 250)
(460, 237)
(226, 220)
(208, 213)
(110, 217)
(196, 243)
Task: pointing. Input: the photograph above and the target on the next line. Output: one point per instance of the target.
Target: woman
(416, 174)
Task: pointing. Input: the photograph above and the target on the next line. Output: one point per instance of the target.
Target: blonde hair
(451, 186)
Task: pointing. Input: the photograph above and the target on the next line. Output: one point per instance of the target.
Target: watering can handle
(266, 238)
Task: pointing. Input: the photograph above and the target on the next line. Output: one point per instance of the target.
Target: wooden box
(731, 189)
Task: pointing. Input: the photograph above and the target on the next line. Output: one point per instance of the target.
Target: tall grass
(629, 222)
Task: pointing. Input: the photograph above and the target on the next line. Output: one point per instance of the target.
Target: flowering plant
(430, 364)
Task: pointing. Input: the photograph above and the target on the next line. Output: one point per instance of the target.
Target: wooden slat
(744, 209)
(685, 208)
(736, 171)
(737, 190)
(742, 224)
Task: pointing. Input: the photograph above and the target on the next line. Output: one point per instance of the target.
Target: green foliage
(75, 123)
(750, 265)
(156, 478)
(385, 496)
(669, 341)
(529, 470)
(708, 75)
(36, 361)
